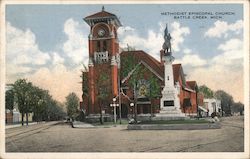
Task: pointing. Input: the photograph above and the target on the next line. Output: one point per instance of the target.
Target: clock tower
(103, 61)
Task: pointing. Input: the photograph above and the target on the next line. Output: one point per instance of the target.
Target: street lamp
(114, 105)
(132, 105)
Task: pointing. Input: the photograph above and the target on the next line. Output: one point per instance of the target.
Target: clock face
(101, 32)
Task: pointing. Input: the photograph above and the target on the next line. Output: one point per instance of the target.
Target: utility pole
(119, 93)
(135, 101)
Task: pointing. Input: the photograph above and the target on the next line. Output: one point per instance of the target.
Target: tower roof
(102, 15)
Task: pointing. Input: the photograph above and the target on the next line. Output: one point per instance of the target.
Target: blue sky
(48, 43)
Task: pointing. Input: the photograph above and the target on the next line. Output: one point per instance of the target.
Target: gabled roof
(140, 55)
(192, 84)
(100, 14)
(157, 68)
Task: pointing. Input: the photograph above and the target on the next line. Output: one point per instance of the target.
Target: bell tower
(103, 58)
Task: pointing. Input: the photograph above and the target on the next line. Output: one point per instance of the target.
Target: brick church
(131, 76)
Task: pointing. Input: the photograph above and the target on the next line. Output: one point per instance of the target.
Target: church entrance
(144, 106)
(143, 109)
(124, 111)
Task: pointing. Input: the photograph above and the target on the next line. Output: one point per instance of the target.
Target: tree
(9, 99)
(103, 89)
(85, 87)
(226, 101)
(129, 65)
(154, 89)
(238, 108)
(207, 92)
(39, 104)
(31, 98)
(22, 91)
(72, 103)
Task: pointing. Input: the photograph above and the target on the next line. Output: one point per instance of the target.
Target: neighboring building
(8, 113)
(101, 83)
(8, 117)
(212, 105)
(14, 116)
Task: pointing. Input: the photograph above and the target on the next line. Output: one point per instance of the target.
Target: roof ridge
(101, 12)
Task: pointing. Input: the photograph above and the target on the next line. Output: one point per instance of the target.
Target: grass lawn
(194, 121)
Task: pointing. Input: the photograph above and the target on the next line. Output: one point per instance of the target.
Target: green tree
(31, 98)
(154, 90)
(9, 99)
(207, 92)
(103, 89)
(38, 104)
(226, 101)
(137, 75)
(72, 104)
(238, 108)
(134, 72)
(22, 91)
(85, 87)
(127, 65)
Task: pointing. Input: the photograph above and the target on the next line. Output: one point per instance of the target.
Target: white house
(212, 105)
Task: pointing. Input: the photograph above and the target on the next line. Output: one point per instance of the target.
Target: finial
(102, 8)
(166, 29)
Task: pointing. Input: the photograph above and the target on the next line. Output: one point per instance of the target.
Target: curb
(175, 126)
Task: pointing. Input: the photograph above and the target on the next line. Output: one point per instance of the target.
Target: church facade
(131, 76)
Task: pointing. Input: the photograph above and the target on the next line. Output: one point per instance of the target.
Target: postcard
(117, 79)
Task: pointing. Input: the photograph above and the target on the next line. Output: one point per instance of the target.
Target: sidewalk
(20, 124)
(78, 124)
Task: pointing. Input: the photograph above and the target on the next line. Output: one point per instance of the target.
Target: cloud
(220, 77)
(22, 47)
(153, 41)
(124, 30)
(192, 60)
(59, 81)
(222, 28)
(149, 44)
(178, 33)
(22, 51)
(76, 46)
(232, 50)
(187, 51)
(57, 59)
(48, 70)
(224, 71)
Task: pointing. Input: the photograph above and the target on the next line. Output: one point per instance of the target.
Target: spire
(102, 8)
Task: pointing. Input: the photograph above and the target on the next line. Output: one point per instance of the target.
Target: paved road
(60, 137)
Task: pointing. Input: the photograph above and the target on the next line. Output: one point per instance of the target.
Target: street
(61, 137)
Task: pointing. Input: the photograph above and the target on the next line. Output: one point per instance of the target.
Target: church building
(125, 77)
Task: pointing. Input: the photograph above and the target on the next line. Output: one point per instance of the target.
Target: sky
(47, 44)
